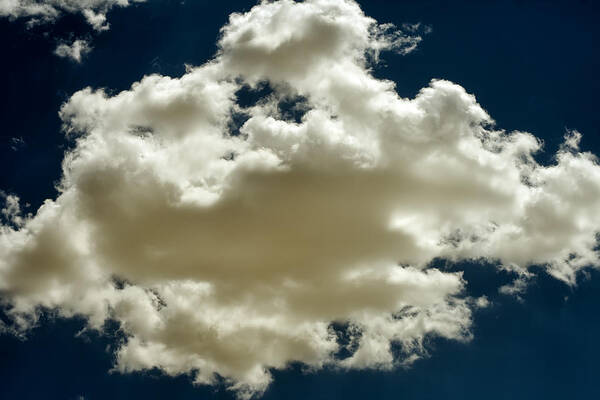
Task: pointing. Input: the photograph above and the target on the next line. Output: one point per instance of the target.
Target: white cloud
(75, 51)
(11, 211)
(37, 11)
(519, 285)
(236, 253)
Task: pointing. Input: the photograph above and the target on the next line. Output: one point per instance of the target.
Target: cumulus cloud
(75, 51)
(230, 251)
(38, 11)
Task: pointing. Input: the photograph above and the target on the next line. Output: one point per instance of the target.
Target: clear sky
(350, 208)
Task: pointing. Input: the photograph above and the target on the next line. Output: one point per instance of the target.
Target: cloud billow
(231, 253)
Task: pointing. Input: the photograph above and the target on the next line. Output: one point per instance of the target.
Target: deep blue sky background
(532, 65)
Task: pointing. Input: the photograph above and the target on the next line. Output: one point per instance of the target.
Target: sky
(323, 199)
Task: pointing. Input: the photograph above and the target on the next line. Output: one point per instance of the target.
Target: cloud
(75, 51)
(47, 11)
(17, 143)
(38, 11)
(235, 251)
(11, 211)
(519, 285)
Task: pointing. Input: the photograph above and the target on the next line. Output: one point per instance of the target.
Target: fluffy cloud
(232, 251)
(94, 11)
(75, 51)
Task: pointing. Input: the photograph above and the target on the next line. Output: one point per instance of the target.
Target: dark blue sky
(532, 65)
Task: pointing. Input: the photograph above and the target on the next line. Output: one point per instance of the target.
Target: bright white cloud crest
(239, 251)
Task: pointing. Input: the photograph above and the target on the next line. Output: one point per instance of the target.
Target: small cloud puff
(44, 11)
(17, 143)
(74, 51)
